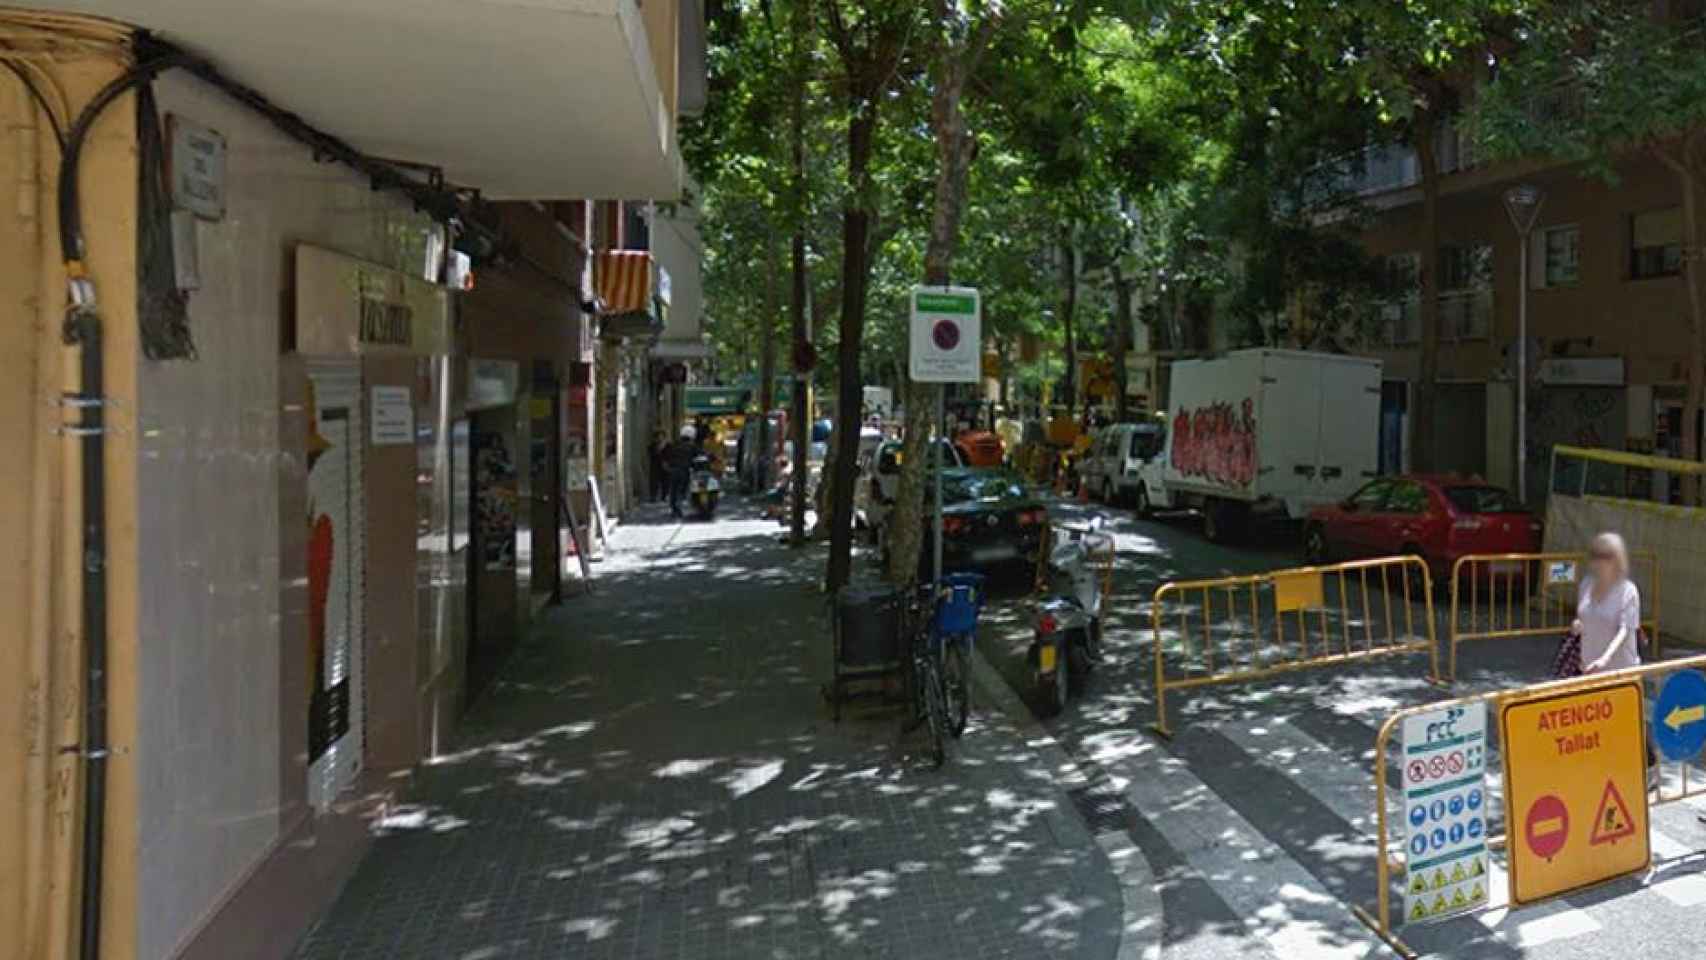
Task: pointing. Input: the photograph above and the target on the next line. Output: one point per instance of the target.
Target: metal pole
(1522, 378)
(941, 437)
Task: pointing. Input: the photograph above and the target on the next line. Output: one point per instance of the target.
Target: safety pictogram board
(1575, 789)
(1445, 811)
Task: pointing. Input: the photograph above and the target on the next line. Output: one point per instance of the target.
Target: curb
(1140, 921)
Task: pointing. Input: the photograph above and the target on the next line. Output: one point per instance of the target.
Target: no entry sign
(1576, 789)
(947, 335)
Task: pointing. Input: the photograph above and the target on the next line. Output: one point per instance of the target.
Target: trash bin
(867, 635)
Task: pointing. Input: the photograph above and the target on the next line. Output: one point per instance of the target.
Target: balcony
(1464, 315)
(1385, 168)
(541, 100)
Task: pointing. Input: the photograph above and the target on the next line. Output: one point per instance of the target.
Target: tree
(1596, 81)
(960, 43)
(870, 41)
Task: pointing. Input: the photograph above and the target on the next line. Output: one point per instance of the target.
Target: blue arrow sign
(1679, 716)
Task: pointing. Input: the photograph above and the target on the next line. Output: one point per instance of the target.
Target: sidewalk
(655, 775)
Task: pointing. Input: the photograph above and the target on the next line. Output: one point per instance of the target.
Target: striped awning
(623, 279)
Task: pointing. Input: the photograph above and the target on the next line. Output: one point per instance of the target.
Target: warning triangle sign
(1478, 869)
(1613, 822)
(1479, 893)
(1420, 912)
(1457, 873)
(1419, 885)
(1439, 880)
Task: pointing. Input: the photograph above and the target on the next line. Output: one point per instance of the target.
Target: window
(1146, 443)
(1407, 496)
(1373, 496)
(1400, 312)
(1465, 292)
(1561, 252)
(1482, 500)
(1655, 244)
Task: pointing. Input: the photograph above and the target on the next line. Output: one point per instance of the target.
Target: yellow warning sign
(1576, 791)
(1457, 875)
(1419, 885)
(1418, 912)
(1439, 879)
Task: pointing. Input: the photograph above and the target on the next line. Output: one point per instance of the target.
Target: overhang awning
(623, 280)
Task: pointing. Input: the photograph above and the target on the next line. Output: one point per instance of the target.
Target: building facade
(297, 420)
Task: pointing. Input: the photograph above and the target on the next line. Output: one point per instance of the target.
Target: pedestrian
(1608, 609)
(678, 459)
(659, 470)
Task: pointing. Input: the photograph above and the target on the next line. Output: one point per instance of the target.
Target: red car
(1437, 518)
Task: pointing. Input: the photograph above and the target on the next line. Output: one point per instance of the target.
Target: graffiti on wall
(1217, 443)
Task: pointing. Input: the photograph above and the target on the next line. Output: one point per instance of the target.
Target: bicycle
(939, 677)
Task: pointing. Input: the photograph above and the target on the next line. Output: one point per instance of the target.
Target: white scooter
(1066, 640)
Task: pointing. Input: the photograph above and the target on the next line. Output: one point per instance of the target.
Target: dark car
(1437, 518)
(989, 520)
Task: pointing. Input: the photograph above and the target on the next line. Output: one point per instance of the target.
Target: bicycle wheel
(956, 688)
(936, 714)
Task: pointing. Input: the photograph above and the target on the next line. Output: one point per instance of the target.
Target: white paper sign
(393, 416)
(947, 335)
(1445, 812)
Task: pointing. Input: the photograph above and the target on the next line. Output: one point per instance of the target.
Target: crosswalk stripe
(1677, 883)
(1280, 901)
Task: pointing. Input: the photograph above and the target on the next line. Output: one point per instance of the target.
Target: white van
(1112, 470)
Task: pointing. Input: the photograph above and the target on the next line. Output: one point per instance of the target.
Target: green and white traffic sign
(947, 335)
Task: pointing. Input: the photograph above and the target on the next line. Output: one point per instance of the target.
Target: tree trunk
(797, 305)
(953, 163)
(766, 371)
(1422, 453)
(855, 267)
(1068, 303)
(1122, 338)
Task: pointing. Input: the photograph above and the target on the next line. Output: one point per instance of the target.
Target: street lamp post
(1523, 203)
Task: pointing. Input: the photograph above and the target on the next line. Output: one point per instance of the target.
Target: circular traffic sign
(1475, 799)
(945, 334)
(1418, 816)
(1437, 838)
(1457, 805)
(1418, 771)
(1475, 828)
(1547, 826)
(1436, 767)
(1456, 833)
(1454, 763)
(1436, 810)
(1679, 716)
(1419, 844)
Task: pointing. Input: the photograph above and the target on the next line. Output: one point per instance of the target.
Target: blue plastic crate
(960, 602)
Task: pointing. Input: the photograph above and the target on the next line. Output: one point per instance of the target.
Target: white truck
(1264, 430)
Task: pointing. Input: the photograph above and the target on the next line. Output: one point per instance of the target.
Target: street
(1257, 819)
(659, 777)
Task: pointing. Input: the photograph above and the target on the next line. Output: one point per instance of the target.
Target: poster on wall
(495, 483)
(332, 617)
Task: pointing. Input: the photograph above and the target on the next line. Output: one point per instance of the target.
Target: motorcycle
(703, 488)
(1066, 637)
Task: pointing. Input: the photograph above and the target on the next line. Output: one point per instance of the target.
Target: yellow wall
(40, 587)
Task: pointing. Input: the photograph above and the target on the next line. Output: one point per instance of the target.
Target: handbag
(1567, 662)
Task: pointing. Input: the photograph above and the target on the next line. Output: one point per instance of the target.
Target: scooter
(703, 488)
(1066, 639)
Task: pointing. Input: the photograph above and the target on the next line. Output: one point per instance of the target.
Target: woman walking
(1608, 609)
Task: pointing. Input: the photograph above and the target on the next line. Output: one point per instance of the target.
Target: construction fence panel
(1239, 629)
(1507, 595)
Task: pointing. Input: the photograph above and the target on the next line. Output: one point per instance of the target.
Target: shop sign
(347, 306)
(196, 165)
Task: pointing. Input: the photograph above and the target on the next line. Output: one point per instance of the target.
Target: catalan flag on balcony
(623, 280)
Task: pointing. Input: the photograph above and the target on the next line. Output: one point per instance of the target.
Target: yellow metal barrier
(1534, 594)
(1390, 858)
(1246, 628)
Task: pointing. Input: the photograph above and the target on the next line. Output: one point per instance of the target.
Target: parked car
(989, 520)
(1437, 518)
(879, 479)
(1112, 469)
